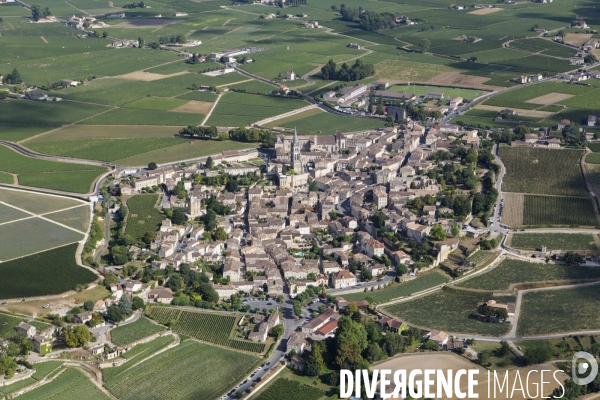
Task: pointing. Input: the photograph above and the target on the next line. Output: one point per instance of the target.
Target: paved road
(107, 218)
(290, 324)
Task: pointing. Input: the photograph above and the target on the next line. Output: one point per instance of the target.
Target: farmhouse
(25, 328)
(297, 342)
(343, 279)
(434, 95)
(438, 337)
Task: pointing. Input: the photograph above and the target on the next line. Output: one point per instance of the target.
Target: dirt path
(235, 83)
(44, 39)
(287, 114)
(227, 33)
(211, 111)
(228, 21)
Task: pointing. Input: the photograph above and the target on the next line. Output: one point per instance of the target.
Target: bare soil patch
(525, 113)
(295, 117)
(485, 11)
(228, 21)
(513, 209)
(549, 98)
(454, 362)
(147, 76)
(577, 38)
(467, 81)
(146, 23)
(199, 107)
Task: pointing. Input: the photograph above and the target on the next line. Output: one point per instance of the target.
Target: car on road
(46, 306)
(259, 368)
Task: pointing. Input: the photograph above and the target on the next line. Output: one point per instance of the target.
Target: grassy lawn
(134, 331)
(556, 311)
(50, 272)
(422, 282)
(554, 241)
(449, 311)
(510, 272)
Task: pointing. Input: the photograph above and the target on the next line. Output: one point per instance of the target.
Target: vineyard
(210, 327)
(190, 371)
(285, 389)
(134, 331)
(544, 210)
(554, 241)
(50, 272)
(143, 215)
(70, 385)
(542, 171)
(510, 272)
(139, 353)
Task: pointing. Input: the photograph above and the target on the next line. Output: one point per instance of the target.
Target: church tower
(296, 158)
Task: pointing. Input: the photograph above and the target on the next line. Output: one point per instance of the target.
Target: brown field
(577, 38)
(467, 81)
(58, 304)
(108, 132)
(142, 23)
(513, 209)
(147, 76)
(199, 107)
(525, 113)
(454, 362)
(549, 98)
(485, 11)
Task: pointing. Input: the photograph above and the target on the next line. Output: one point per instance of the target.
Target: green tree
(471, 156)
(208, 293)
(401, 269)
(537, 354)
(209, 162)
(312, 187)
(350, 340)
(76, 337)
(424, 45)
(141, 42)
(220, 234)
(115, 314)
(88, 305)
(149, 237)
(573, 259)
(277, 331)
(125, 305)
(178, 217)
(38, 11)
(137, 303)
(152, 166)
(438, 232)
(373, 353)
(328, 70)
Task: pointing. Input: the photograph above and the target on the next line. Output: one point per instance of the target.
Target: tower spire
(295, 136)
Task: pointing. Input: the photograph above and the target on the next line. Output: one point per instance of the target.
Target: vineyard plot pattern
(209, 327)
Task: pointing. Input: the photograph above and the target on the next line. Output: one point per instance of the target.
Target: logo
(581, 368)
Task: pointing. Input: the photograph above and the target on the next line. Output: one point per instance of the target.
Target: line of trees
(369, 20)
(135, 5)
(358, 71)
(173, 39)
(199, 131)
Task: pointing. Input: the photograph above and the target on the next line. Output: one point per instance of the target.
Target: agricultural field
(553, 241)
(560, 310)
(143, 215)
(45, 368)
(210, 371)
(186, 151)
(549, 171)
(550, 210)
(39, 223)
(327, 124)
(50, 272)
(71, 383)
(8, 324)
(37, 114)
(510, 273)
(209, 327)
(239, 109)
(137, 330)
(49, 174)
(542, 46)
(593, 158)
(286, 389)
(421, 90)
(422, 282)
(450, 311)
